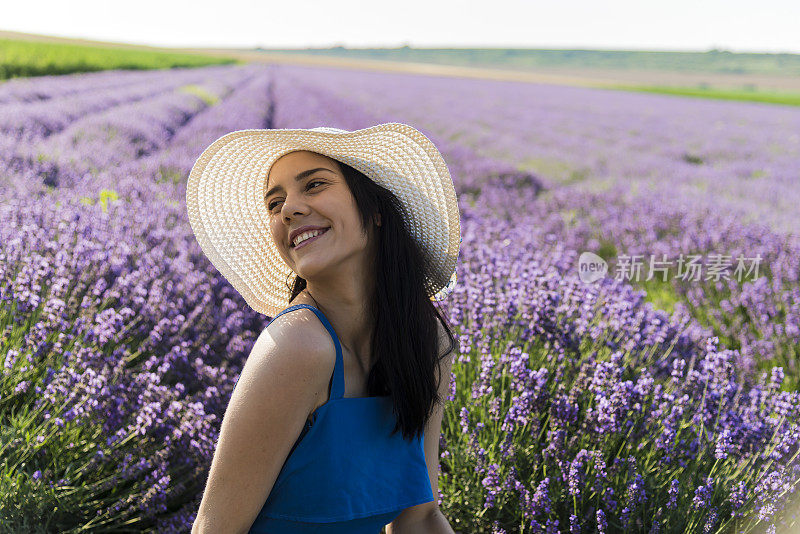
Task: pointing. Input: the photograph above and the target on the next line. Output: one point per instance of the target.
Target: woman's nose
(293, 205)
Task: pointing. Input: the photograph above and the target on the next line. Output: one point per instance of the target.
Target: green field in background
(21, 58)
(769, 97)
(29, 58)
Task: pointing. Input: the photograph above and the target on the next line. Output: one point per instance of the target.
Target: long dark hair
(405, 339)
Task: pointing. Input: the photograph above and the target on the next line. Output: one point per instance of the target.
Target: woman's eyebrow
(297, 178)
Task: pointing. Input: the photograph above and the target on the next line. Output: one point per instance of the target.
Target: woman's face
(321, 198)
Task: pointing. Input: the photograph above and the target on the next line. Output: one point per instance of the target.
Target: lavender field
(647, 404)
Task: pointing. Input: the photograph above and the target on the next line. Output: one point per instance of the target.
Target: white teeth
(306, 235)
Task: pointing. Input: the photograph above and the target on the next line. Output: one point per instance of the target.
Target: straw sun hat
(228, 213)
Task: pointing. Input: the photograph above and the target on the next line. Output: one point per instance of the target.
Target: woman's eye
(274, 203)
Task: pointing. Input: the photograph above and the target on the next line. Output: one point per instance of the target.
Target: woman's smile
(311, 239)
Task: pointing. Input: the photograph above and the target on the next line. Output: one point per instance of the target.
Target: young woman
(344, 239)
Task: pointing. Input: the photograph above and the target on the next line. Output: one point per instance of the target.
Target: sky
(681, 25)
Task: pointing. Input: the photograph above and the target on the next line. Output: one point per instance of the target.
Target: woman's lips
(307, 241)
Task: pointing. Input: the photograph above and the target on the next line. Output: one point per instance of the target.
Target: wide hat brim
(228, 213)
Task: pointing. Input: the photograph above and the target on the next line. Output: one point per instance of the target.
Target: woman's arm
(276, 391)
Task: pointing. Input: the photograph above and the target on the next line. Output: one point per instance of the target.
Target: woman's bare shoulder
(297, 347)
(299, 333)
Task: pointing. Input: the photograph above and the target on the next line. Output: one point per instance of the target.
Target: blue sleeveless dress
(345, 473)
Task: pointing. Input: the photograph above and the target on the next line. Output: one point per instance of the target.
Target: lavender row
(42, 88)
(28, 122)
(119, 134)
(161, 176)
(250, 105)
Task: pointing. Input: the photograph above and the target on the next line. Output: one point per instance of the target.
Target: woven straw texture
(228, 213)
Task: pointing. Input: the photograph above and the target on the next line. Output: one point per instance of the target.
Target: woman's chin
(308, 268)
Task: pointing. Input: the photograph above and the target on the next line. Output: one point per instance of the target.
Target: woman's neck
(351, 321)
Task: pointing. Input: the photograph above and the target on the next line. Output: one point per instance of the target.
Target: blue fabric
(345, 473)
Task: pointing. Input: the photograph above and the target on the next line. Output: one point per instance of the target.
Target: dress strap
(337, 380)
